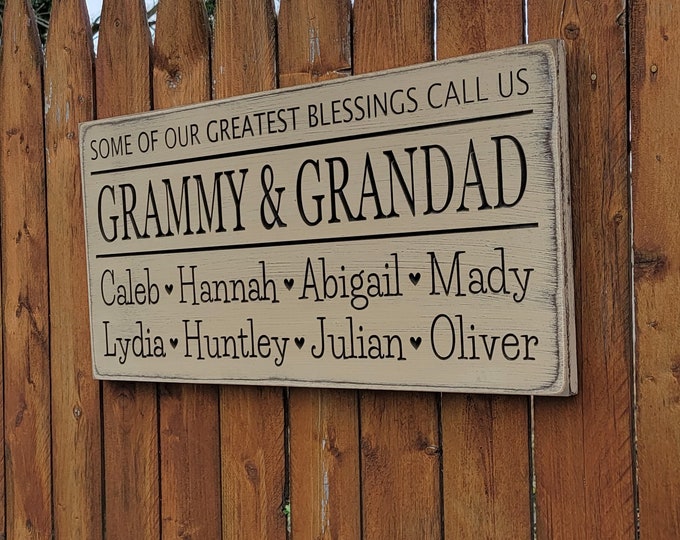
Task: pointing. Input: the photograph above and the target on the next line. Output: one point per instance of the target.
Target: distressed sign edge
(565, 382)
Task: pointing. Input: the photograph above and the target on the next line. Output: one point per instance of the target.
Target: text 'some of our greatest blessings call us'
(400, 230)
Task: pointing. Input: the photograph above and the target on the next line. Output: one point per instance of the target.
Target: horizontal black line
(318, 142)
(307, 241)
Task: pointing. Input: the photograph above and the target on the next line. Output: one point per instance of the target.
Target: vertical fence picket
(655, 114)
(251, 418)
(25, 294)
(315, 45)
(130, 410)
(583, 444)
(2, 326)
(76, 426)
(315, 41)
(485, 439)
(189, 414)
(400, 454)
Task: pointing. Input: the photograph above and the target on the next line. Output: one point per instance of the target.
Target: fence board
(399, 431)
(76, 426)
(485, 439)
(315, 41)
(315, 45)
(2, 348)
(2, 384)
(129, 410)
(655, 109)
(189, 414)
(400, 454)
(583, 444)
(324, 470)
(252, 418)
(25, 293)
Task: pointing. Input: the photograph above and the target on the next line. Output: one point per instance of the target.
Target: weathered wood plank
(315, 45)
(253, 462)
(244, 50)
(391, 34)
(400, 454)
(324, 464)
(655, 110)
(251, 418)
(315, 42)
(2, 404)
(130, 410)
(399, 431)
(583, 445)
(76, 426)
(472, 27)
(25, 309)
(485, 439)
(189, 414)
(2, 353)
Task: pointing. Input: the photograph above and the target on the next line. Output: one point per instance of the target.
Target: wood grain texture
(391, 34)
(399, 437)
(251, 418)
(324, 464)
(253, 463)
(583, 445)
(655, 113)
(130, 410)
(244, 48)
(485, 439)
(123, 59)
(2, 352)
(315, 41)
(189, 414)
(25, 309)
(315, 45)
(2, 397)
(473, 27)
(76, 426)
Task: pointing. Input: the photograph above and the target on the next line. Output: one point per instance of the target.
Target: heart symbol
(299, 341)
(415, 278)
(168, 288)
(173, 342)
(288, 283)
(415, 342)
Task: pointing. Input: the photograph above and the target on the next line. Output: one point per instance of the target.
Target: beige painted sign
(402, 230)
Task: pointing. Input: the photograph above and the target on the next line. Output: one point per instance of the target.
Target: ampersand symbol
(267, 180)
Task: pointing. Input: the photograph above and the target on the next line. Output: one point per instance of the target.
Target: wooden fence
(87, 460)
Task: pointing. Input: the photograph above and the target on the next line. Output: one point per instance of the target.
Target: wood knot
(251, 471)
(332, 448)
(174, 78)
(675, 370)
(649, 265)
(571, 31)
(20, 415)
(369, 452)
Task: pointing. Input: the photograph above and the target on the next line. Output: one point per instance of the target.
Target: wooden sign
(402, 230)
